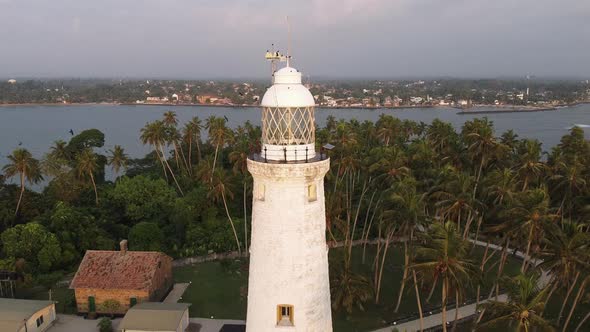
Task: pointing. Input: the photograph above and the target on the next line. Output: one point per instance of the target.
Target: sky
(202, 39)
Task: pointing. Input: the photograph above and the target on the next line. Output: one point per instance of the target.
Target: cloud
(338, 11)
(76, 25)
(353, 38)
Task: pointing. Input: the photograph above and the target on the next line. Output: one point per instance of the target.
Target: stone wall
(123, 296)
(162, 281)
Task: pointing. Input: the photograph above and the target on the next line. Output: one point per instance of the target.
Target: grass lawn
(66, 302)
(554, 305)
(218, 289)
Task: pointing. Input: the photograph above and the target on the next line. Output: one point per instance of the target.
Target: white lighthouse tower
(288, 286)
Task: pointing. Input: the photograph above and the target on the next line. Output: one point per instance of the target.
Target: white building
(288, 286)
(156, 316)
(12, 81)
(416, 100)
(26, 315)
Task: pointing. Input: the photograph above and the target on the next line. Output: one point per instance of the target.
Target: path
(73, 323)
(464, 311)
(214, 325)
(176, 292)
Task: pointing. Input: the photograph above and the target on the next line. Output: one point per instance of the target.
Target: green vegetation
(218, 289)
(344, 93)
(423, 190)
(66, 302)
(105, 325)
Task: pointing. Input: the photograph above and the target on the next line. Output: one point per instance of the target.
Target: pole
(289, 44)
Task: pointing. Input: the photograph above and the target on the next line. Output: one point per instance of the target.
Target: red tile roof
(117, 269)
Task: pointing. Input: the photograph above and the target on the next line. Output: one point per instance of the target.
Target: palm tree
(388, 128)
(529, 165)
(22, 163)
(173, 136)
(565, 256)
(444, 140)
(59, 150)
(348, 289)
(501, 186)
(219, 191)
(388, 162)
(118, 159)
(455, 201)
(586, 317)
(219, 134)
(581, 291)
(409, 205)
(569, 182)
(170, 118)
(509, 138)
(192, 133)
(523, 310)
(482, 145)
(529, 217)
(87, 165)
(239, 158)
(442, 256)
(57, 162)
(154, 134)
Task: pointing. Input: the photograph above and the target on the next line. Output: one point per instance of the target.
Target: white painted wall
(48, 318)
(288, 252)
(184, 322)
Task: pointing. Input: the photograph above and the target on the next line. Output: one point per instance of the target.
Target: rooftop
(117, 269)
(13, 312)
(154, 316)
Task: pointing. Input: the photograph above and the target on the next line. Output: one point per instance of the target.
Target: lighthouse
(288, 285)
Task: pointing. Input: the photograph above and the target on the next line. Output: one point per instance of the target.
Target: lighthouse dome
(287, 90)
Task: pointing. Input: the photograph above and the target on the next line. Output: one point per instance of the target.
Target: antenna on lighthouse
(275, 56)
(289, 42)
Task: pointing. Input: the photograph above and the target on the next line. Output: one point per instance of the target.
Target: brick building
(128, 277)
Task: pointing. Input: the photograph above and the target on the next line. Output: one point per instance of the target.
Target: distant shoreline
(59, 104)
(508, 110)
(256, 106)
(489, 109)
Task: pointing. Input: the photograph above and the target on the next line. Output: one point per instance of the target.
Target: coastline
(256, 106)
(509, 110)
(59, 104)
(483, 109)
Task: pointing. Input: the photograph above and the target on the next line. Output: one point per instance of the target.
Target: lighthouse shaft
(288, 252)
(288, 285)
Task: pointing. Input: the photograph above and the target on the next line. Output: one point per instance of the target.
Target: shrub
(111, 306)
(105, 325)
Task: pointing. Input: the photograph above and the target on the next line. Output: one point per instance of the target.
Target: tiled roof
(117, 269)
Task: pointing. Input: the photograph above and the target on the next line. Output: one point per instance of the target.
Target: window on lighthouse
(285, 315)
(312, 193)
(259, 192)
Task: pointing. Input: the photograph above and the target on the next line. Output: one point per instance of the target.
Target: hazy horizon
(332, 39)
